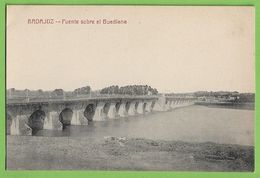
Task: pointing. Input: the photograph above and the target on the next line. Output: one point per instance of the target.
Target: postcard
(137, 88)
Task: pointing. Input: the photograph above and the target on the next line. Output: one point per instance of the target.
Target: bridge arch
(65, 117)
(36, 121)
(89, 112)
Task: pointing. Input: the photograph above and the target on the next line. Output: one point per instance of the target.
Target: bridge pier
(181, 103)
(148, 107)
(132, 110)
(184, 103)
(122, 110)
(78, 117)
(19, 125)
(52, 121)
(140, 108)
(24, 128)
(173, 104)
(75, 118)
(168, 105)
(48, 121)
(99, 116)
(112, 111)
(160, 104)
(177, 103)
(14, 127)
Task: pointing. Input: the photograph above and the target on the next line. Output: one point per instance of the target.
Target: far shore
(228, 105)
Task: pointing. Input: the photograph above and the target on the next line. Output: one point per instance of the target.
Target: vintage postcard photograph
(135, 88)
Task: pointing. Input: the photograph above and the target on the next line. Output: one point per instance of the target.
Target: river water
(190, 124)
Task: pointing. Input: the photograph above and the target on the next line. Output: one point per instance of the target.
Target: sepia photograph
(130, 88)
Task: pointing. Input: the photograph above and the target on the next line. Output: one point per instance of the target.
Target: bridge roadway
(29, 116)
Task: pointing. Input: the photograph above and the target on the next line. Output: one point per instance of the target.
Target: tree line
(86, 90)
(130, 90)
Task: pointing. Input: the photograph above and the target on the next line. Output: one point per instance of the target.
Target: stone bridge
(26, 118)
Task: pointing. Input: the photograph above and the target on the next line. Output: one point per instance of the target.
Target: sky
(173, 49)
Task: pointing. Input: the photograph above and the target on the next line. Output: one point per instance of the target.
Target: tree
(82, 91)
(58, 92)
(130, 90)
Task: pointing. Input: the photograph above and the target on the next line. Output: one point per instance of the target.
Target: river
(190, 124)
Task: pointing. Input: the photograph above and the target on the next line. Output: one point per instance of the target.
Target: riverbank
(228, 105)
(115, 153)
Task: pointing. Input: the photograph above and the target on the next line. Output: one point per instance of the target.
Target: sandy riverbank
(112, 153)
